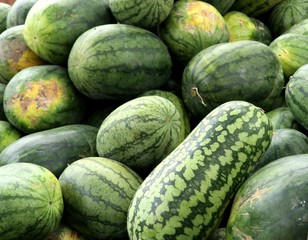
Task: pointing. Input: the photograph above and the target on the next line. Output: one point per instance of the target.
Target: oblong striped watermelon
(31, 203)
(242, 70)
(97, 193)
(52, 27)
(4, 11)
(186, 195)
(118, 61)
(140, 132)
(296, 95)
(54, 148)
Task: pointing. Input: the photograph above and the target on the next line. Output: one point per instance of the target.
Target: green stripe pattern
(241, 70)
(31, 203)
(185, 196)
(286, 14)
(118, 61)
(140, 132)
(53, 149)
(143, 13)
(97, 193)
(296, 95)
(282, 184)
(292, 52)
(52, 27)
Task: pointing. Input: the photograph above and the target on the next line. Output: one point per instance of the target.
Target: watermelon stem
(194, 91)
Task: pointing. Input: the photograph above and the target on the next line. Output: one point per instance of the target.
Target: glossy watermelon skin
(52, 27)
(140, 133)
(97, 193)
(31, 202)
(185, 196)
(42, 97)
(129, 67)
(53, 149)
(297, 95)
(18, 12)
(145, 14)
(286, 14)
(280, 185)
(241, 70)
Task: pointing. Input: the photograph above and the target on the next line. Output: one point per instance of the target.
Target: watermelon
(52, 27)
(18, 12)
(8, 134)
(243, 27)
(97, 193)
(4, 10)
(42, 97)
(191, 27)
(132, 60)
(140, 132)
(272, 203)
(286, 14)
(285, 142)
(145, 14)
(221, 5)
(297, 95)
(254, 8)
(53, 149)
(31, 202)
(219, 234)
(186, 195)
(242, 70)
(15, 55)
(292, 52)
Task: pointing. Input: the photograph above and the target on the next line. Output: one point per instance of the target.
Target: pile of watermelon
(154, 120)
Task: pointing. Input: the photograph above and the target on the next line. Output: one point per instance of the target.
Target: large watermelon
(186, 195)
(272, 203)
(191, 27)
(118, 61)
(140, 132)
(31, 203)
(51, 27)
(42, 97)
(241, 70)
(97, 193)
